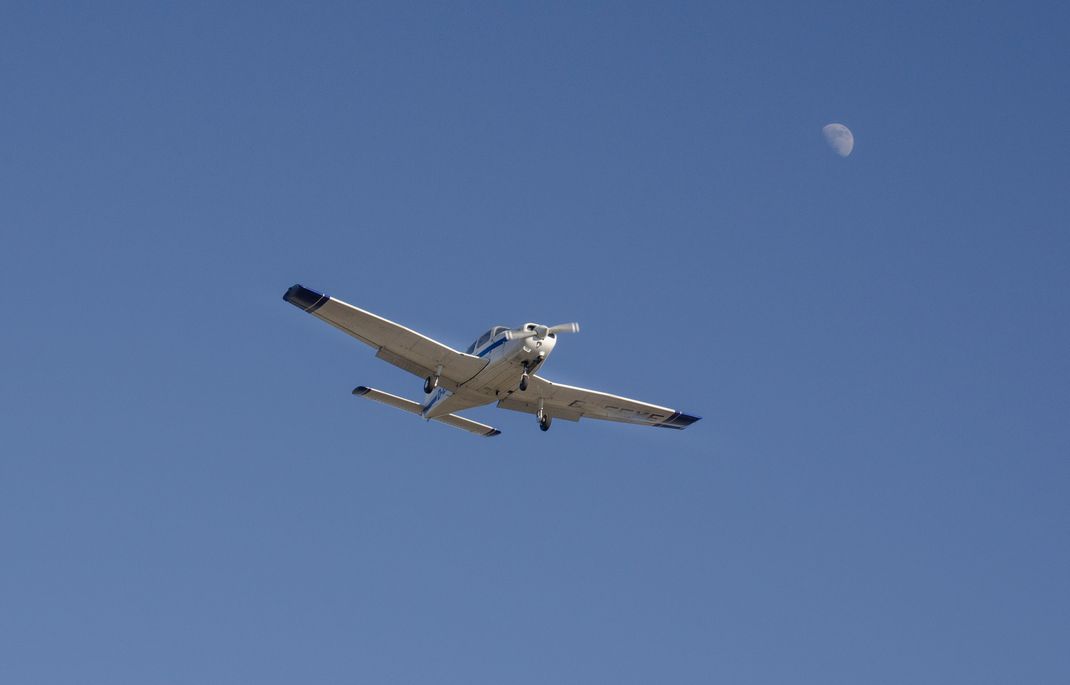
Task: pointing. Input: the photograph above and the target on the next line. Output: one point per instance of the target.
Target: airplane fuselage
(507, 363)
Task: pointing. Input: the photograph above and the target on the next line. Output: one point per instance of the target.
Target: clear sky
(878, 491)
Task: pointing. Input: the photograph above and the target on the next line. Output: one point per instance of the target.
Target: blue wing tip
(679, 421)
(304, 298)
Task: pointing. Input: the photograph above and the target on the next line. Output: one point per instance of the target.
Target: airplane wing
(402, 347)
(572, 404)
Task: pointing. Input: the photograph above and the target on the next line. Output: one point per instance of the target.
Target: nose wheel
(530, 366)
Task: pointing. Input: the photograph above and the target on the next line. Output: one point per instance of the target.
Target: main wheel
(430, 383)
(544, 422)
(523, 382)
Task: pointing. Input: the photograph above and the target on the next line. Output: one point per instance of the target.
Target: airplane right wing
(571, 403)
(402, 347)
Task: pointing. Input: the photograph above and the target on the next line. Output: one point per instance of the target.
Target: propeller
(540, 331)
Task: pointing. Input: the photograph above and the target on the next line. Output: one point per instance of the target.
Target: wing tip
(361, 390)
(304, 298)
(679, 421)
(491, 433)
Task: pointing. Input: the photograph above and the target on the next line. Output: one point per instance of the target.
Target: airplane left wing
(402, 347)
(571, 403)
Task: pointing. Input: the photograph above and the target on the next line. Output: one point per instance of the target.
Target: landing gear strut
(528, 367)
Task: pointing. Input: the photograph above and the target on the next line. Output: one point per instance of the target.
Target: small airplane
(499, 366)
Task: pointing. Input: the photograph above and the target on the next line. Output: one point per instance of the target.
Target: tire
(430, 384)
(523, 383)
(544, 423)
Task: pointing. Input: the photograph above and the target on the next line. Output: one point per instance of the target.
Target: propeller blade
(540, 331)
(564, 328)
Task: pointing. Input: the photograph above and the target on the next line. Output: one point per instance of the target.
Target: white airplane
(499, 366)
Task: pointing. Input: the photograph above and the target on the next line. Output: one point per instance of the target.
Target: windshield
(485, 338)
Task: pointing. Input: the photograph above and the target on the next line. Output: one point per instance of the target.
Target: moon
(839, 138)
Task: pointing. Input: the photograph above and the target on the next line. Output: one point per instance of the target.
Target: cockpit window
(485, 338)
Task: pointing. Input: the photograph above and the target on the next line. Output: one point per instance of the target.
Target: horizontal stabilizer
(415, 408)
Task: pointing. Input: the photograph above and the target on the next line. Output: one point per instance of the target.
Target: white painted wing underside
(572, 403)
(394, 343)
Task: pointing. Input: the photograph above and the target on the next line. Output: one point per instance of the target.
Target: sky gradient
(877, 492)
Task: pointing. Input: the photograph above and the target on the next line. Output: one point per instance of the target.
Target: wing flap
(410, 366)
(533, 408)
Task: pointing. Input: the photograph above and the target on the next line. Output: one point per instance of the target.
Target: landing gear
(544, 422)
(431, 382)
(528, 368)
(543, 417)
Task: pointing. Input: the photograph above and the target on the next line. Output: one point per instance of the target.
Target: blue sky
(877, 344)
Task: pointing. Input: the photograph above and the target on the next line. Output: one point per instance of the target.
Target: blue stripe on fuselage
(490, 347)
(434, 399)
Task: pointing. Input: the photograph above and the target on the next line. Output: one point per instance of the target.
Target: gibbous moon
(839, 138)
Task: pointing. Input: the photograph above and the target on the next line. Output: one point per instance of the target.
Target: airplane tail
(418, 409)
